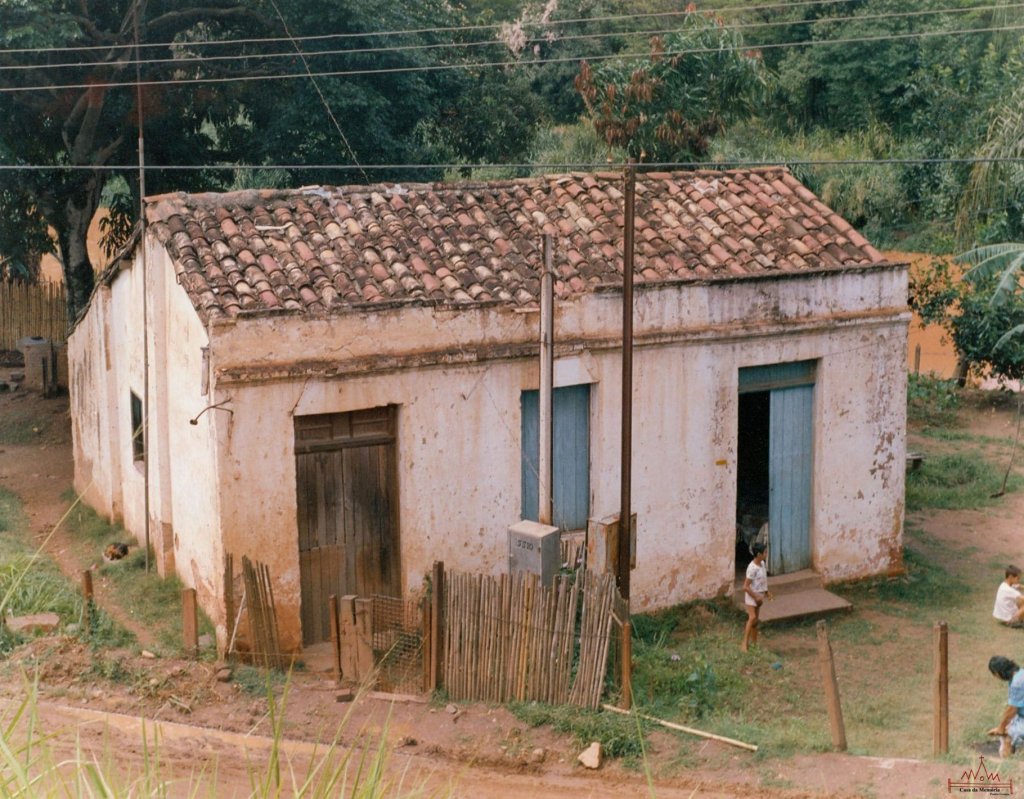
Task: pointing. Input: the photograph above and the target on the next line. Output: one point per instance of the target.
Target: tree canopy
(878, 106)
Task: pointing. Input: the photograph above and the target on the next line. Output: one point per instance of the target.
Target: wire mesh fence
(397, 641)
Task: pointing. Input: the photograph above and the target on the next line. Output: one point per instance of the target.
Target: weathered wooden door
(570, 483)
(346, 481)
(790, 387)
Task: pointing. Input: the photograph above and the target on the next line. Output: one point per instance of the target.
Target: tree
(68, 116)
(386, 107)
(983, 311)
(670, 105)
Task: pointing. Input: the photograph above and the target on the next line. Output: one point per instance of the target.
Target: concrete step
(794, 595)
(812, 602)
(791, 583)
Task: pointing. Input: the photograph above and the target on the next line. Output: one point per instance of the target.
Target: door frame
(388, 436)
(771, 378)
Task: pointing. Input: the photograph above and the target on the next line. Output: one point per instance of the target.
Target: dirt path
(41, 474)
(485, 751)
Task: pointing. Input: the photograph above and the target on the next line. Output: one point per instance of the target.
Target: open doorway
(752, 472)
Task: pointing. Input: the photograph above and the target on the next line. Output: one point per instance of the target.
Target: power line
(187, 60)
(477, 65)
(316, 85)
(599, 166)
(420, 31)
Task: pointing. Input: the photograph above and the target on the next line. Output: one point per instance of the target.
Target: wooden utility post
(436, 625)
(87, 601)
(625, 510)
(940, 737)
(335, 623)
(828, 675)
(189, 622)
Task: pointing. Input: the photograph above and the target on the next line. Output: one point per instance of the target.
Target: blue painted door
(570, 455)
(790, 450)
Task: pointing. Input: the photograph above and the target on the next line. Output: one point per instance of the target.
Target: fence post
(627, 665)
(364, 638)
(940, 735)
(189, 622)
(333, 621)
(87, 601)
(347, 633)
(437, 587)
(828, 675)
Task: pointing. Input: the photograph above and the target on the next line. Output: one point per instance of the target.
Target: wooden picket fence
(38, 309)
(508, 638)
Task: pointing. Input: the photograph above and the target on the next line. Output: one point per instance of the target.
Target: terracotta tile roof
(319, 249)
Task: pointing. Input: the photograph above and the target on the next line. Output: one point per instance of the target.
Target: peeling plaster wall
(457, 377)
(94, 432)
(184, 501)
(107, 363)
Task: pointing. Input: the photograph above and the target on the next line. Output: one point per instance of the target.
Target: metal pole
(627, 381)
(148, 456)
(547, 373)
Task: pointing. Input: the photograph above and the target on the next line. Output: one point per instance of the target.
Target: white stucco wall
(458, 435)
(107, 364)
(227, 483)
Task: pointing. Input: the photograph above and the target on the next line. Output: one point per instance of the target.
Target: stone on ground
(591, 756)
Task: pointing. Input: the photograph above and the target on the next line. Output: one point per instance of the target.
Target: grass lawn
(146, 597)
(30, 582)
(688, 667)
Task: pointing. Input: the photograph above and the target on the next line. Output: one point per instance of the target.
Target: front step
(795, 595)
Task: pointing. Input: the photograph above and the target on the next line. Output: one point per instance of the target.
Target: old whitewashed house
(341, 382)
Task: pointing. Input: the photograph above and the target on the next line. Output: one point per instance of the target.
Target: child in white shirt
(755, 590)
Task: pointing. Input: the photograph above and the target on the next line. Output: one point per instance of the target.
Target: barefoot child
(755, 589)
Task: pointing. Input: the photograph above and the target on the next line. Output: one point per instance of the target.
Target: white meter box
(534, 548)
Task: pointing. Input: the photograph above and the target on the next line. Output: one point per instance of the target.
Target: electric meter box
(534, 548)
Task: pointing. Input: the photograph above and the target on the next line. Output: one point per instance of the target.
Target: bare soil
(481, 751)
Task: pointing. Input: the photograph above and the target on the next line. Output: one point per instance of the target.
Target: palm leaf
(986, 261)
(1009, 280)
(1009, 334)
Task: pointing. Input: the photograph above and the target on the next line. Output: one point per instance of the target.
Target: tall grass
(31, 583)
(152, 600)
(31, 764)
(957, 481)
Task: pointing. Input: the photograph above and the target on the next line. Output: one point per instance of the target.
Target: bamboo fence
(262, 614)
(508, 638)
(38, 309)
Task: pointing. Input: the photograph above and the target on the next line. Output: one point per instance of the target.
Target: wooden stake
(828, 675)
(627, 665)
(229, 599)
(335, 624)
(189, 622)
(940, 737)
(436, 626)
(917, 359)
(87, 600)
(364, 638)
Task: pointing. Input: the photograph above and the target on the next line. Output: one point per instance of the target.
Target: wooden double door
(346, 481)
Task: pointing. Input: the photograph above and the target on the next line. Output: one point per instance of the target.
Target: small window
(138, 433)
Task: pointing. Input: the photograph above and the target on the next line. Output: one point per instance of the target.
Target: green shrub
(932, 401)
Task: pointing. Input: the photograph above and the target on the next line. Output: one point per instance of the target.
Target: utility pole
(547, 364)
(625, 510)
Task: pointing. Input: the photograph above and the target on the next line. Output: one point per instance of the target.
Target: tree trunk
(73, 235)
